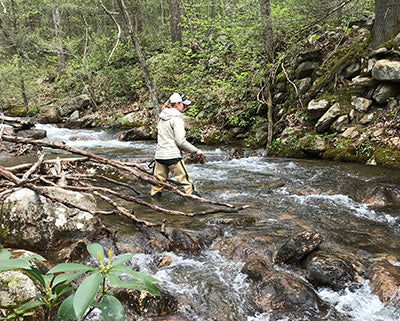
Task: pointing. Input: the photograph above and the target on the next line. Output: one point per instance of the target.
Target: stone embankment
(350, 98)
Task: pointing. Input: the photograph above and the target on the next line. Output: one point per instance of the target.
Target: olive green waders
(178, 171)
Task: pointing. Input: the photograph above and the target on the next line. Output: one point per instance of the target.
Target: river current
(285, 196)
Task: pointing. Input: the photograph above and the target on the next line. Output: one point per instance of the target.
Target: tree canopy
(218, 53)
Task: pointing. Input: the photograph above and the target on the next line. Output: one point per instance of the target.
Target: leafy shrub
(95, 291)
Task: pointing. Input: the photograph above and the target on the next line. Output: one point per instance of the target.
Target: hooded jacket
(171, 135)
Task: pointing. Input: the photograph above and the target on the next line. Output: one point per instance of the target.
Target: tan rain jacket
(171, 140)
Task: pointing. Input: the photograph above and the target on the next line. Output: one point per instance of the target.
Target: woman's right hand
(199, 152)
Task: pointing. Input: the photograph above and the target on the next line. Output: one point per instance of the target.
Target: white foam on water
(359, 305)
(346, 204)
(85, 138)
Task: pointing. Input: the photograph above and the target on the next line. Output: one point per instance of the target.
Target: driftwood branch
(21, 167)
(17, 122)
(60, 173)
(141, 175)
(33, 168)
(124, 211)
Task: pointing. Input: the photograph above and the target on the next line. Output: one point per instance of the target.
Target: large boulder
(280, 291)
(328, 118)
(32, 133)
(17, 287)
(143, 303)
(33, 221)
(384, 92)
(316, 108)
(137, 133)
(76, 103)
(386, 70)
(306, 68)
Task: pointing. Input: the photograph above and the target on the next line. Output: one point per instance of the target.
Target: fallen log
(134, 169)
(17, 122)
(21, 167)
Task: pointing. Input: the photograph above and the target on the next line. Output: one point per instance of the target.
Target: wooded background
(217, 52)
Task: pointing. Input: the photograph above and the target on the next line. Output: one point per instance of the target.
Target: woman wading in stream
(171, 141)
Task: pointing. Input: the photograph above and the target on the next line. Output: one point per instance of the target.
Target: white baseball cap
(179, 98)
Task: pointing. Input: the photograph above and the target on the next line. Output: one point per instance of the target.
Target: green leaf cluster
(61, 289)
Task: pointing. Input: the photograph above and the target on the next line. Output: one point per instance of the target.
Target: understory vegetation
(220, 60)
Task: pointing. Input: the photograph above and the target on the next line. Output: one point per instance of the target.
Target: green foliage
(94, 291)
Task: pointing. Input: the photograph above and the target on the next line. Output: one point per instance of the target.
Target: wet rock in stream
(144, 303)
(330, 270)
(295, 249)
(182, 241)
(385, 280)
(271, 289)
(23, 209)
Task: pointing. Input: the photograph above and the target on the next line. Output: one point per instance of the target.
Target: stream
(286, 197)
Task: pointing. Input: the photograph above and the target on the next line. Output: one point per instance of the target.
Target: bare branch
(143, 176)
(118, 27)
(124, 211)
(4, 7)
(33, 168)
(292, 83)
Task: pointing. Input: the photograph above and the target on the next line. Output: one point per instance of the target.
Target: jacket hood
(168, 113)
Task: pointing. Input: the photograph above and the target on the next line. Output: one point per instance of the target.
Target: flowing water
(285, 197)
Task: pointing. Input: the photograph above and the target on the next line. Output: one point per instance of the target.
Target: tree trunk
(268, 34)
(23, 94)
(213, 9)
(387, 20)
(175, 21)
(142, 60)
(230, 8)
(162, 11)
(58, 38)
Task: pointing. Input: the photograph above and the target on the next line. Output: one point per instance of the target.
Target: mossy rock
(15, 110)
(341, 150)
(387, 156)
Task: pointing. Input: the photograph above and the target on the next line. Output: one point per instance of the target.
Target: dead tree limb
(124, 211)
(292, 83)
(117, 164)
(40, 190)
(22, 167)
(144, 203)
(33, 168)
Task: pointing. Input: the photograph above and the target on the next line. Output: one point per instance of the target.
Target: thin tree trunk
(387, 20)
(230, 8)
(175, 21)
(23, 93)
(142, 60)
(162, 12)
(58, 38)
(213, 9)
(268, 34)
